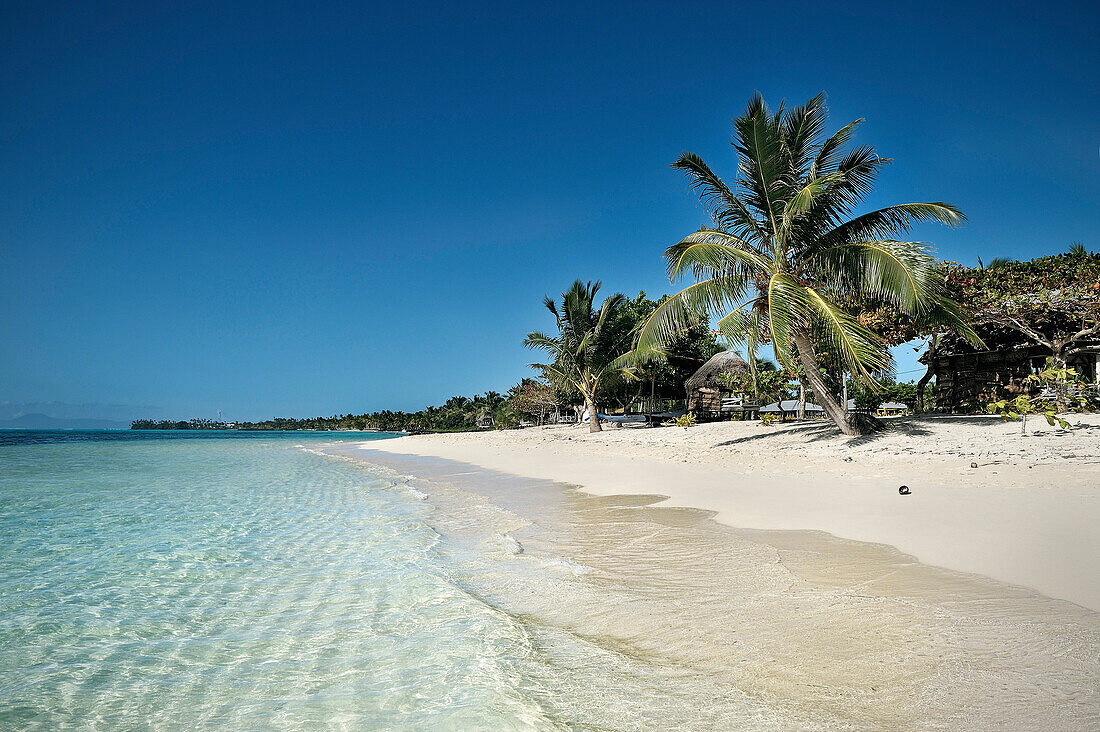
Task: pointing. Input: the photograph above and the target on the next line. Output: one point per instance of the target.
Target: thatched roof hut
(708, 374)
(705, 387)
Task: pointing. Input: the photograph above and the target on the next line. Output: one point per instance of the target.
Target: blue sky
(302, 208)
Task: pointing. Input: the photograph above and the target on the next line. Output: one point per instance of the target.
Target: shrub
(687, 420)
(1065, 394)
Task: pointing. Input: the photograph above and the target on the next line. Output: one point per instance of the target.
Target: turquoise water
(242, 583)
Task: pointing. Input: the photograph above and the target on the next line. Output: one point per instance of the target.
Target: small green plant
(1023, 405)
(768, 419)
(1066, 393)
(687, 420)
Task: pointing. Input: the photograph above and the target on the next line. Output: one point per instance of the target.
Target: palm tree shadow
(821, 430)
(914, 426)
(814, 431)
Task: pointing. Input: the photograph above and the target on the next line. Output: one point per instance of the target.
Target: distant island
(459, 414)
(348, 422)
(378, 422)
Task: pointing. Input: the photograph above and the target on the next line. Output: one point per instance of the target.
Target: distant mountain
(85, 410)
(46, 422)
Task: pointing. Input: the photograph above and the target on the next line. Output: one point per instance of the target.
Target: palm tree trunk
(593, 417)
(808, 357)
(921, 386)
(933, 344)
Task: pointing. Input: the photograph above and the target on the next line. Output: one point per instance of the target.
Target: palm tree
(783, 258)
(589, 348)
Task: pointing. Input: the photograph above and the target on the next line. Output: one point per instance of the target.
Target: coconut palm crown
(591, 347)
(785, 251)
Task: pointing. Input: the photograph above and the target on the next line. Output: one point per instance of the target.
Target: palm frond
(746, 328)
(554, 371)
(758, 143)
(827, 155)
(897, 272)
(723, 206)
(788, 311)
(886, 223)
(639, 357)
(541, 341)
(801, 126)
(674, 314)
(946, 313)
(851, 181)
(803, 200)
(597, 332)
(859, 168)
(708, 252)
(855, 345)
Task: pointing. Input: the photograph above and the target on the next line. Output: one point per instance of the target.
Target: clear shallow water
(233, 583)
(257, 581)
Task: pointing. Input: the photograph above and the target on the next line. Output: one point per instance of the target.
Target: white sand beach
(1025, 515)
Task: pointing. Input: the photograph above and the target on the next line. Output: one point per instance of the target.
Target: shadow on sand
(818, 430)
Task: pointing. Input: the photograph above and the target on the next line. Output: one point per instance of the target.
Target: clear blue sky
(307, 208)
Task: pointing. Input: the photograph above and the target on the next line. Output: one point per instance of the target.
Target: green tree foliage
(168, 424)
(784, 261)
(887, 389)
(1050, 301)
(663, 377)
(534, 399)
(459, 413)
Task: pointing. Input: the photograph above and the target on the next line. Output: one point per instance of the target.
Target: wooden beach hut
(968, 378)
(708, 395)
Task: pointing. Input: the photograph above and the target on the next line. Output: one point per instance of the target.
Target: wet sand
(757, 629)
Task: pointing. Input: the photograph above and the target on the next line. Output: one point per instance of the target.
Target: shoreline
(1025, 516)
(751, 628)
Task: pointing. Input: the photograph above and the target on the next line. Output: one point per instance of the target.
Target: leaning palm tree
(783, 261)
(590, 346)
